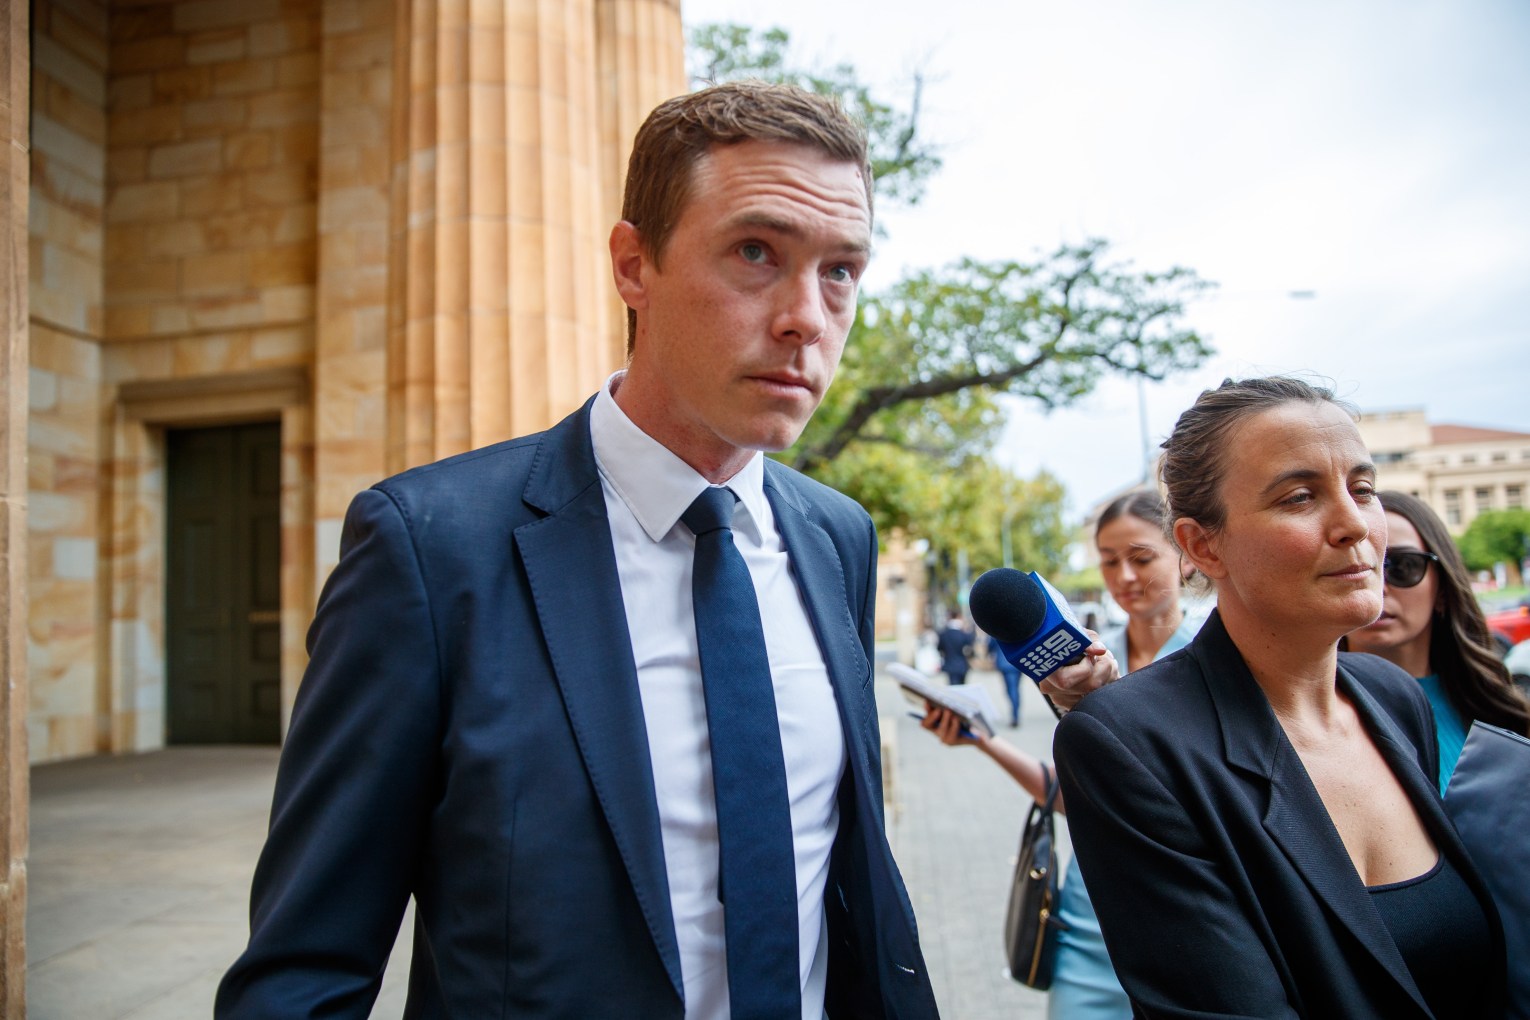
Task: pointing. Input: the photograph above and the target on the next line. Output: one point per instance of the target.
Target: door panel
(223, 584)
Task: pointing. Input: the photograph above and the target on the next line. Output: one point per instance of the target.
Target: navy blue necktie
(757, 868)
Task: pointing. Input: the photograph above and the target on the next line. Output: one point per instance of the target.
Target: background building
(259, 254)
(1459, 470)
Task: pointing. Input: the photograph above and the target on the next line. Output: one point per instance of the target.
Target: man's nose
(801, 317)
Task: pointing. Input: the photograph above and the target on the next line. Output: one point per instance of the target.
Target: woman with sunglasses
(1432, 626)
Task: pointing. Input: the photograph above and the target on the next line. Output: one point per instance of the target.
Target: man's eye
(842, 274)
(752, 252)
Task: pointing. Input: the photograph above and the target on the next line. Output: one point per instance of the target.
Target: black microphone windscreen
(1007, 604)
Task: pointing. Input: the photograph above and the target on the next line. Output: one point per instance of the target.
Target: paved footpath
(140, 869)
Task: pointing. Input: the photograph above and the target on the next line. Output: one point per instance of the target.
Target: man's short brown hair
(680, 131)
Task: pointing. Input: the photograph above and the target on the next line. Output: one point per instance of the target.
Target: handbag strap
(1051, 784)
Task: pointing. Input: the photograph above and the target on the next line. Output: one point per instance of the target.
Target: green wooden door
(223, 584)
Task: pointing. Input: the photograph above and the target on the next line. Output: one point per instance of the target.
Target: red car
(1512, 625)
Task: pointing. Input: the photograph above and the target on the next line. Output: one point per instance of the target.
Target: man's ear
(1200, 547)
(629, 257)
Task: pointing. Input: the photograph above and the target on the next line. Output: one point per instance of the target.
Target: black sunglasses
(1406, 568)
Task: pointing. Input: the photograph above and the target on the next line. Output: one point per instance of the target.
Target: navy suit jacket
(1222, 886)
(469, 733)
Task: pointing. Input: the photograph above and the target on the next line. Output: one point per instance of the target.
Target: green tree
(1494, 537)
(901, 161)
(1047, 330)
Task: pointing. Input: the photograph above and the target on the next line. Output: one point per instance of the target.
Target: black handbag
(1031, 925)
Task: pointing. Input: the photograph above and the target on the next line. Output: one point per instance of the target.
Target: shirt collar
(656, 485)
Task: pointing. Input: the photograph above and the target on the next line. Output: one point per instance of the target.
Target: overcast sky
(1373, 152)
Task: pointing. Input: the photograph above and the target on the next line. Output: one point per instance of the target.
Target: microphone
(1029, 620)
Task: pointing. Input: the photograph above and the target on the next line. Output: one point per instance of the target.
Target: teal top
(1449, 727)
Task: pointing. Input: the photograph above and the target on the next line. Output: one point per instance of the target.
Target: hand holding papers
(970, 701)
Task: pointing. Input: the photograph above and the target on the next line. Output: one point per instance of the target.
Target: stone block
(130, 164)
(186, 159)
(52, 513)
(240, 230)
(130, 91)
(217, 46)
(211, 355)
(282, 265)
(79, 115)
(135, 203)
(146, 359)
(79, 36)
(176, 238)
(250, 150)
(292, 345)
(138, 22)
(298, 70)
(211, 117)
(216, 274)
(300, 144)
(74, 559)
(42, 390)
(206, 196)
(182, 84)
(287, 304)
(64, 355)
(72, 230)
(243, 77)
(59, 64)
(222, 314)
(143, 280)
(63, 271)
(293, 34)
(146, 125)
(281, 186)
(360, 51)
(202, 15)
(56, 142)
(148, 54)
(283, 108)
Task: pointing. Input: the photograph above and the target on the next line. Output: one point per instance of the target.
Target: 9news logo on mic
(1058, 641)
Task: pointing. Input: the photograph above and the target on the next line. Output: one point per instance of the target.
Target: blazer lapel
(821, 580)
(1296, 818)
(571, 569)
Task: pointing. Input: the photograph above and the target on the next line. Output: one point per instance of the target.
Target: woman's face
(1406, 613)
(1140, 568)
(1301, 544)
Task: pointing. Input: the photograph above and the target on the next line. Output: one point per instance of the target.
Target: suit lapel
(1296, 818)
(821, 581)
(571, 569)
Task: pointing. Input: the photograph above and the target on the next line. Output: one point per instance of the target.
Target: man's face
(740, 331)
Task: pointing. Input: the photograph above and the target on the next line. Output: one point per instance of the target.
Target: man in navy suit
(503, 715)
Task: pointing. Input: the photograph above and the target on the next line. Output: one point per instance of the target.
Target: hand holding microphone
(1037, 632)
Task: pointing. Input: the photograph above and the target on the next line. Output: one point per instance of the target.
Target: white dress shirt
(646, 489)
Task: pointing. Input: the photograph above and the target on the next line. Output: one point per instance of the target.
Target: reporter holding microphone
(1141, 571)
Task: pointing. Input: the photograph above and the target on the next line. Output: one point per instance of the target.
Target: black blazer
(469, 733)
(1220, 881)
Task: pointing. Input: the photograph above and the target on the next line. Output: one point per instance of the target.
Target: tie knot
(712, 509)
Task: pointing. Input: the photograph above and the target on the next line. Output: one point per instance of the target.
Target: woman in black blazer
(1257, 813)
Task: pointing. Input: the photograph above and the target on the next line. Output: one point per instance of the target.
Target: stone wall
(67, 237)
(382, 224)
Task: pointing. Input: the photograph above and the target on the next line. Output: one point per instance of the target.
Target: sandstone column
(641, 51)
(499, 321)
(14, 177)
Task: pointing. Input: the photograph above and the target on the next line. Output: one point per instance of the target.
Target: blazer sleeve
(1179, 936)
(353, 789)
